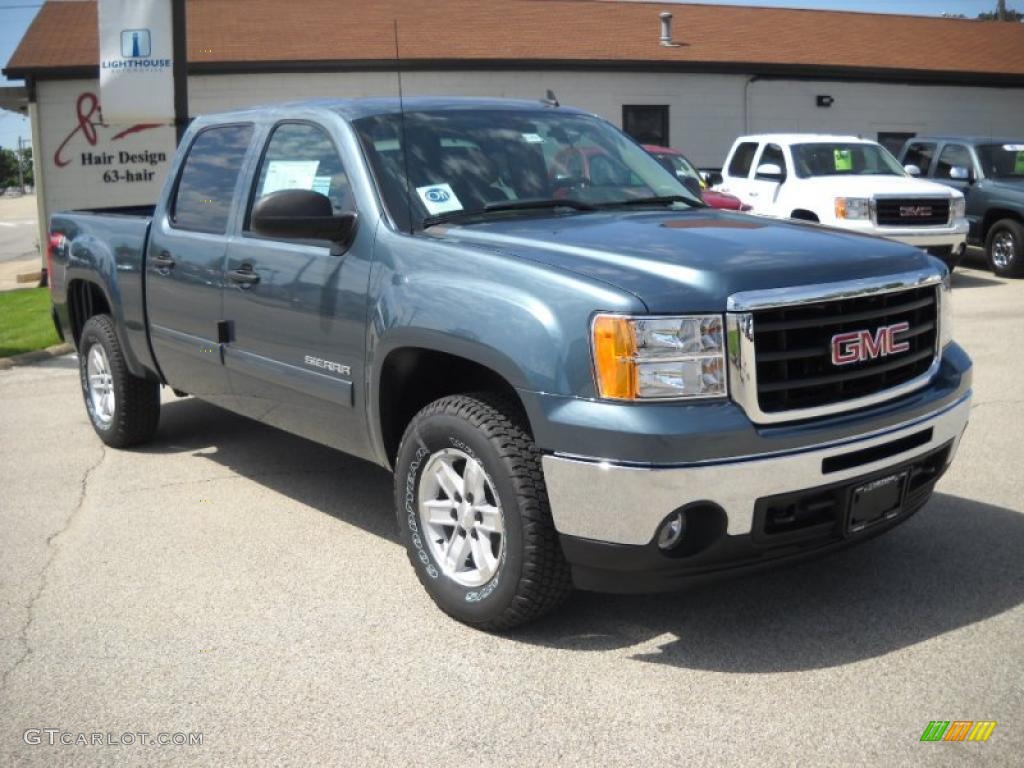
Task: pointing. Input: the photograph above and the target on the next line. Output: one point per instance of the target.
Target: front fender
(527, 322)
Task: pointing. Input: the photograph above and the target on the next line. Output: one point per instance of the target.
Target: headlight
(659, 358)
(945, 312)
(853, 208)
(959, 209)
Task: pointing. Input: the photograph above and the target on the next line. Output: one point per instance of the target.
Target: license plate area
(875, 501)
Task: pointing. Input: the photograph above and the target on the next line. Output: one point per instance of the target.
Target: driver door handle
(163, 260)
(244, 276)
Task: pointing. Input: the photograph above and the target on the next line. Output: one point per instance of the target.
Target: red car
(676, 162)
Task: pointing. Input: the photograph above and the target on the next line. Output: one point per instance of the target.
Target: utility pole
(21, 168)
(180, 69)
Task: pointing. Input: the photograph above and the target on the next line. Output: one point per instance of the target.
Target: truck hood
(690, 261)
(869, 186)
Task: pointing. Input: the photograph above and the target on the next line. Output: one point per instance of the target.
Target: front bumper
(608, 514)
(953, 236)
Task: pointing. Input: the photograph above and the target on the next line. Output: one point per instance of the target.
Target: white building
(727, 70)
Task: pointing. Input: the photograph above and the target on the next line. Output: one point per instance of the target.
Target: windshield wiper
(660, 200)
(508, 205)
(539, 203)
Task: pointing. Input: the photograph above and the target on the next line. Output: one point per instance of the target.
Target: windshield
(844, 160)
(1002, 161)
(465, 163)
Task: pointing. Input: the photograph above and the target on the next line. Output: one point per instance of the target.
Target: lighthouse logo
(136, 44)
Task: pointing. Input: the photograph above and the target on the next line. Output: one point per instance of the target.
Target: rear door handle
(244, 276)
(164, 260)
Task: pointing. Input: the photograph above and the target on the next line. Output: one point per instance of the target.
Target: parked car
(990, 174)
(676, 162)
(575, 382)
(846, 182)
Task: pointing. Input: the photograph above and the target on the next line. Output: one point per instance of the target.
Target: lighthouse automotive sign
(136, 68)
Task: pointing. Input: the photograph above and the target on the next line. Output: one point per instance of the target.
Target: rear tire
(495, 568)
(1004, 248)
(124, 409)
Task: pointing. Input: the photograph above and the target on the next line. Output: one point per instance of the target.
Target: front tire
(473, 513)
(124, 409)
(1004, 248)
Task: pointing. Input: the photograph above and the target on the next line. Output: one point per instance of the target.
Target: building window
(894, 140)
(647, 123)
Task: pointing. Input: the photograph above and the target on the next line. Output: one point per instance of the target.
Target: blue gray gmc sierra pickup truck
(577, 380)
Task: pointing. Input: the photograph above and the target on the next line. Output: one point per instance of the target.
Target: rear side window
(742, 159)
(953, 156)
(207, 184)
(920, 155)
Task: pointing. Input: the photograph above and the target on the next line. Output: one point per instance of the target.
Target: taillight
(57, 241)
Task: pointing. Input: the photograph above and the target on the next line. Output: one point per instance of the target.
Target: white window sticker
(533, 138)
(322, 184)
(1014, 147)
(289, 174)
(439, 198)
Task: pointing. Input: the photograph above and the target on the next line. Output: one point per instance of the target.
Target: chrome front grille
(911, 212)
(781, 361)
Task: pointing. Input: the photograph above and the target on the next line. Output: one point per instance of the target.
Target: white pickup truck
(847, 182)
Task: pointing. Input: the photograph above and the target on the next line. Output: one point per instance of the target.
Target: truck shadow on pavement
(342, 486)
(956, 562)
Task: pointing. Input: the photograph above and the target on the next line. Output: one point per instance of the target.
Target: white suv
(846, 182)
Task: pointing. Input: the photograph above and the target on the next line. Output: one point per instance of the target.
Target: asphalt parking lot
(237, 582)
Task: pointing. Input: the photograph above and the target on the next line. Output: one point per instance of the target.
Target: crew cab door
(297, 309)
(185, 262)
(764, 188)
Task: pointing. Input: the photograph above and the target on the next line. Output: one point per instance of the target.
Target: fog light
(672, 531)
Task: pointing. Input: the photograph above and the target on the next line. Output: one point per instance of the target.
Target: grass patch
(25, 323)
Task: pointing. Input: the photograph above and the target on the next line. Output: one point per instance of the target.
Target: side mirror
(770, 172)
(301, 214)
(712, 178)
(913, 170)
(959, 173)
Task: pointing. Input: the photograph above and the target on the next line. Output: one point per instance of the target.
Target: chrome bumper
(625, 504)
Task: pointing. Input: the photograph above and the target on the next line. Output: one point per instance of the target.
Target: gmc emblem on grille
(861, 346)
(915, 211)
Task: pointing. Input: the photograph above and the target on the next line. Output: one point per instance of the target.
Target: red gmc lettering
(861, 346)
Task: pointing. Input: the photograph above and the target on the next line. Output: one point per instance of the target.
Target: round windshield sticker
(439, 198)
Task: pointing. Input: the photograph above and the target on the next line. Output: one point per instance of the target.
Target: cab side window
(920, 155)
(302, 156)
(953, 156)
(742, 159)
(206, 187)
(773, 155)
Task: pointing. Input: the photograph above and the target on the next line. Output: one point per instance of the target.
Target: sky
(16, 15)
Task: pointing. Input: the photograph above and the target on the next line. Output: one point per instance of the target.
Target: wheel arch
(410, 376)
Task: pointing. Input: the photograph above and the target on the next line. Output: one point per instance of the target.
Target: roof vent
(666, 30)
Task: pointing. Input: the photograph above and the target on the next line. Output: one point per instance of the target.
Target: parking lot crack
(53, 548)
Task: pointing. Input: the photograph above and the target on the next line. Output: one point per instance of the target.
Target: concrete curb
(36, 356)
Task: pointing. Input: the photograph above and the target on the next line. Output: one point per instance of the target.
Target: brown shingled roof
(225, 34)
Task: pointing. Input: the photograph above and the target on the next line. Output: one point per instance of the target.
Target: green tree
(1001, 13)
(9, 166)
